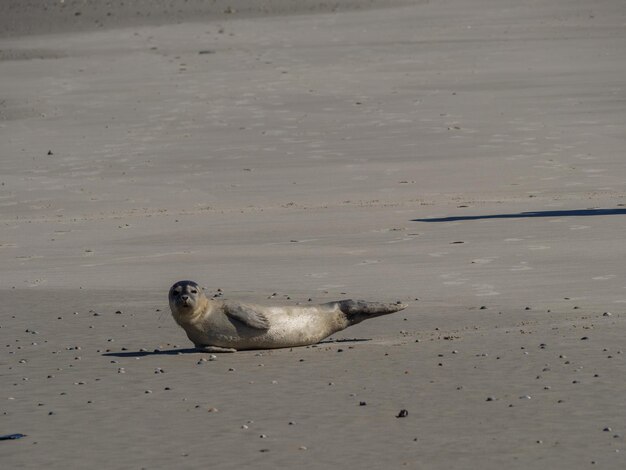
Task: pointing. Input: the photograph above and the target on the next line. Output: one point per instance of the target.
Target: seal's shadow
(156, 352)
(345, 340)
(176, 352)
(521, 215)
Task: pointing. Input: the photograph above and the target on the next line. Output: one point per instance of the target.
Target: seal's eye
(178, 290)
(194, 291)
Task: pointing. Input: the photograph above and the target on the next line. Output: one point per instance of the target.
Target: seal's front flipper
(248, 316)
(215, 349)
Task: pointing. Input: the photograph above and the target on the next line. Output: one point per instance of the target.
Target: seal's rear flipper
(358, 310)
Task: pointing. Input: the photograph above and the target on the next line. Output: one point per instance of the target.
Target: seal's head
(186, 297)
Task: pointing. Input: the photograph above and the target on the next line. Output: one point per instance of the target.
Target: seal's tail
(358, 310)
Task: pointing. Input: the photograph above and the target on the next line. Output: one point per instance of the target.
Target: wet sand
(464, 157)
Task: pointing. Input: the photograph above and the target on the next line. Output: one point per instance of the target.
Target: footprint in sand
(453, 279)
(318, 275)
(603, 278)
(399, 240)
(368, 261)
(523, 266)
(484, 290)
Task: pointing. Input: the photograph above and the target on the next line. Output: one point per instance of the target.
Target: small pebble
(402, 414)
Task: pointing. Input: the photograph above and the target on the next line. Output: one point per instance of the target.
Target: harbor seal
(227, 326)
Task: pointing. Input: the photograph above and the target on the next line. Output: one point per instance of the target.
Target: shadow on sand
(521, 215)
(156, 352)
(176, 352)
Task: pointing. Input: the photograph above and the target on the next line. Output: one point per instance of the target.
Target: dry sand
(466, 153)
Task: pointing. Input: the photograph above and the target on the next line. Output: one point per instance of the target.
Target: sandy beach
(465, 157)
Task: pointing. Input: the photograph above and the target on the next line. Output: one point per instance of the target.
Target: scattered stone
(402, 414)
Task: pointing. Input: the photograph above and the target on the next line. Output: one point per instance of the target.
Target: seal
(227, 326)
